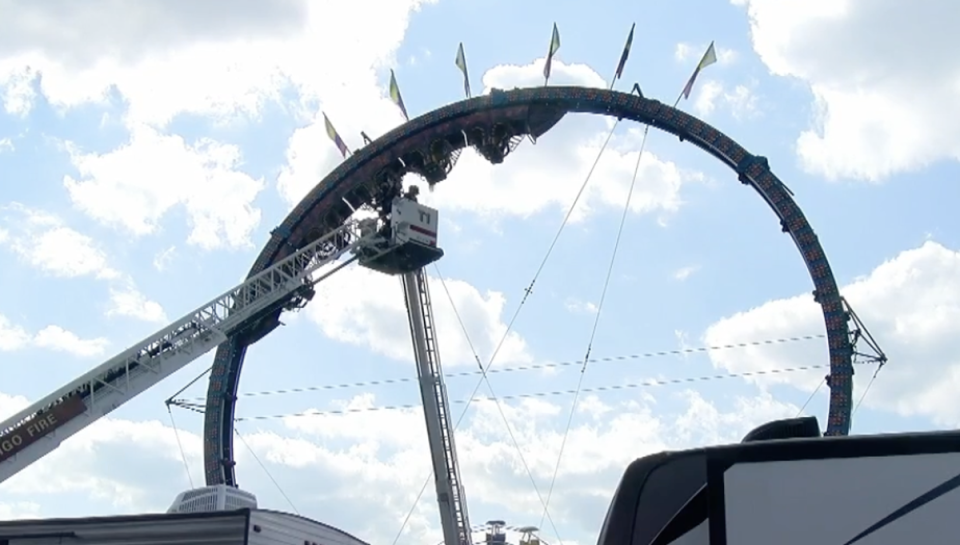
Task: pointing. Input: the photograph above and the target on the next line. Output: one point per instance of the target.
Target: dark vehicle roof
(666, 494)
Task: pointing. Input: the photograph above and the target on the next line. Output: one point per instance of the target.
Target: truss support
(861, 336)
(40, 428)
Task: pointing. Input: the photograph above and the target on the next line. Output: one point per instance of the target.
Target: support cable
(267, 471)
(535, 395)
(812, 395)
(493, 395)
(867, 389)
(532, 367)
(416, 501)
(529, 290)
(172, 399)
(596, 321)
(183, 454)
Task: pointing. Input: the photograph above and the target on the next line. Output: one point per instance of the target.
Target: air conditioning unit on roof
(213, 498)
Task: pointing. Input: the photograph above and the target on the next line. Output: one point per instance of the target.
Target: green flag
(554, 46)
(395, 95)
(462, 65)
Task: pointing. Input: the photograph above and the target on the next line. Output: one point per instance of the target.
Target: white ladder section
(453, 514)
(40, 428)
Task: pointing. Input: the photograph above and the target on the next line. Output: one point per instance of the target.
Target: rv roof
(664, 493)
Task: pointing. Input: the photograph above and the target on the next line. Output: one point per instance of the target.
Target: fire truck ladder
(443, 450)
(37, 430)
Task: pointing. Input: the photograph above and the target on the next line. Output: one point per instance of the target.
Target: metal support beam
(436, 409)
(38, 429)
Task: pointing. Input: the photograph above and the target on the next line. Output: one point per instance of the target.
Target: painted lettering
(39, 426)
(9, 444)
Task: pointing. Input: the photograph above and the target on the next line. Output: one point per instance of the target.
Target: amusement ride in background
(362, 213)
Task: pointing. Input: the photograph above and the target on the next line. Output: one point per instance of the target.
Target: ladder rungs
(446, 438)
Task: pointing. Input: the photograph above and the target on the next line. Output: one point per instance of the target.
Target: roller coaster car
(408, 242)
(785, 485)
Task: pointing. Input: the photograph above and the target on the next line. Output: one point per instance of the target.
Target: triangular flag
(332, 133)
(395, 95)
(623, 56)
(462, 65)
(554, 46)
(709, 57)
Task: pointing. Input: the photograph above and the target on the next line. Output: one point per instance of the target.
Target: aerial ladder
(415, 226)
(249, 309)
(401, 241)
(436, 408)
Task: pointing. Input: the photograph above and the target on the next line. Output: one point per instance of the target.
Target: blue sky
(134, 188)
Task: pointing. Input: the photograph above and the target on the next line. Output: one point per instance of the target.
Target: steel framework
(40, 428)
(436, 408)
(494, 125)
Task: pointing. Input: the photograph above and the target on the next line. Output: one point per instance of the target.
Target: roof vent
(213, 498)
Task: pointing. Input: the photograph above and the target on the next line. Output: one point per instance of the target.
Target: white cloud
(6, 145)
(742, 101)
(134, 186)
(235, 57)
(711, 95)
(868, 63)
(83, 465)
(386, 452)
(44, 242)
(911, 305)
(163, 258)
(19, 510)
(366, 308)
(47, 244)
(150, 25)
(65, 252)
(126, 301)
(578, 306)
(376, 461)
(61, 340)
(707, 94)
(683, 273)
(683, 343)
(14, 337)
(18, 92)
(10, 404)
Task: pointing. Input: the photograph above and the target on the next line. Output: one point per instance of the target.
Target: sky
(148, 149)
